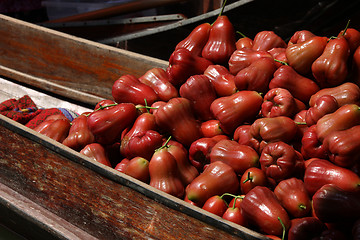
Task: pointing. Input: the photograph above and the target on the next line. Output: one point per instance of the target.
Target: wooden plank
(120, 9)
(32, 221)
(98, 199)
(72, 67)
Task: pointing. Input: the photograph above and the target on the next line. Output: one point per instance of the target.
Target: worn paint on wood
(98, 199)
(63, 64)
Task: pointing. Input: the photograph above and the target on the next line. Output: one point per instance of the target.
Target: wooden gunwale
(72, 67)
(60, 193)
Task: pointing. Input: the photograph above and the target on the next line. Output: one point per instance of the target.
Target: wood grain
(69, 66)
(97, 199)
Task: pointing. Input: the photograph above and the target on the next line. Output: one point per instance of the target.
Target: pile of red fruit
(261, 132)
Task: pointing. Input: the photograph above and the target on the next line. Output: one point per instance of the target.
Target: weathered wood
(120, 9)
(98, 199)
(72, 67)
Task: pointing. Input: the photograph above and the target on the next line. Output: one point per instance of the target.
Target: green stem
(232, 195)
(164, 145)
(242, 35)
(302, 206)
(147, 107)
(249, 178)
(283, 227)
(300, 123)
(346, 27)
(282, 62)
(227, 194)
(222, 8)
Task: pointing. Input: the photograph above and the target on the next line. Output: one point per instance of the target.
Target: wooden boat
(49, 191)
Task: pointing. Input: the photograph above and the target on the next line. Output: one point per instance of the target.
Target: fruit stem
(164, 145)
(249, 178)
(302, 206)
(282, 62)
(222, 8)
(346, 27)
(283, 227)
(242, 35)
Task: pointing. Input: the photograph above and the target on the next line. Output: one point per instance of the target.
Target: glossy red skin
(108, 124)
(298, 85)
(156, 105)
(143, 122)
(217, 178)
(273, 237)
(251, 178)
(177, 118)
(143, 144)
(220, 137)
(321, 172)
(301, 55)
(324, 105)
(79, 134)
(243, 136)
(278, 102)
(236, 201)
(329, 204)
(239, 157)
(96, 152)
(253, 205)
(266, 40)
(343, 118)
(232, 111)
(352, 36)
(312, 147)
(243, 57)
(221, 43)
(300, 36)
(355, 68)
(187, 171)
(244, 42)
(234, 215)
(343, 146)
(183, 64)
(329, 69)
(221, 79)
(256, 76)
(138, 167)
(224, 85)
(299, 119)
(164, 174)
(278, 54)
(196, 40)
(211, 128)
(278, 160)
(199, 152)
(142, 139)
(128, 89)
(104, 103)
(274, 129)
(346, 93)
(215, 205)
(191, 202)
(55, 127)
(293, 196)
(199, 90)
(305, 228)
(214, 71)
(122, 165)
(157, 79)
